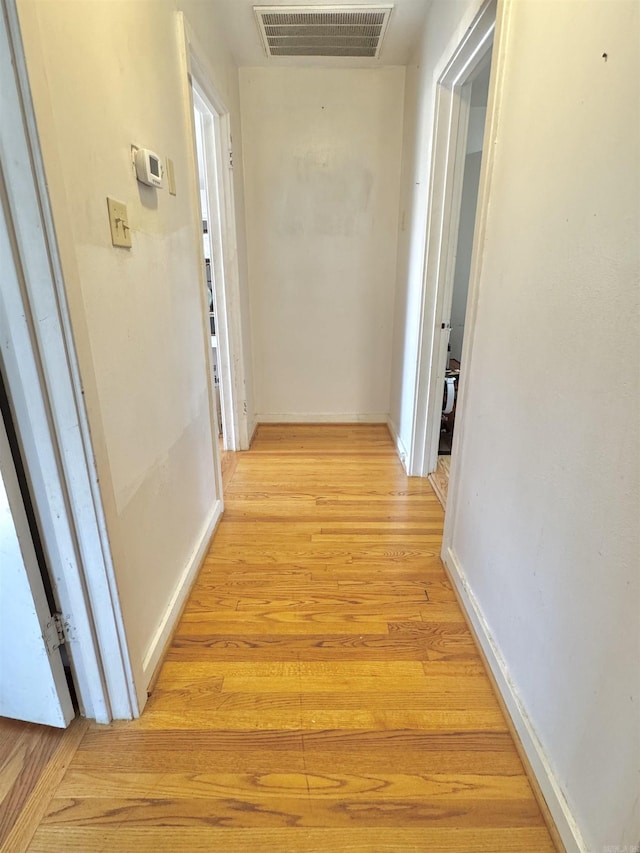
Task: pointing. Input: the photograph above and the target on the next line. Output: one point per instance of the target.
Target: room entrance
(468, 167)
(462, 106)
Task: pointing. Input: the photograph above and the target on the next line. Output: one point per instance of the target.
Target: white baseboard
(540, 765)
(401, 449)
(174, 608)
(321, 418)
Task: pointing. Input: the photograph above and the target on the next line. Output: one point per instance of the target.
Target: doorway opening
(210, 161)
(452, 256)
(449, 376)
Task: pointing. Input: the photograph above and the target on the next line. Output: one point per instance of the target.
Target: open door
(33, 685)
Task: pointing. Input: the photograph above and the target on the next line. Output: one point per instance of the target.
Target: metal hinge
(230, 159)
(56, 632)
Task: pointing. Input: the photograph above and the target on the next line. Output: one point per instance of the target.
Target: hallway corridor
(322, 691)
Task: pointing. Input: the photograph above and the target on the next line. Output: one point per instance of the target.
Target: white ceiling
(239, 23)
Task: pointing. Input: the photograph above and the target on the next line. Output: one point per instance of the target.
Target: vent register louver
(322, 30)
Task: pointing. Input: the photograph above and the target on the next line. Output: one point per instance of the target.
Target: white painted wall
(475, 133)
(445, 24)
(322, 165)
(466, 226)
(468, 204)
(546, 499)
(102, 81)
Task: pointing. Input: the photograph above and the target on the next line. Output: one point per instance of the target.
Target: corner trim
(546, 787)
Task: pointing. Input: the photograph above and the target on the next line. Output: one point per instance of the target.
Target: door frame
(451, 123)
(199, 77)
(42, 377)
(214, 165)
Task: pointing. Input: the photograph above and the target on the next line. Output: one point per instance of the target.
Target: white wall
(322, 165)
(475, 134)
(468, 205)
(466, 226)
(546, 499)
(445, 24)
(102, 81)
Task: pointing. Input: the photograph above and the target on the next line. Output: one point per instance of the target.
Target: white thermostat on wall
(148, 167)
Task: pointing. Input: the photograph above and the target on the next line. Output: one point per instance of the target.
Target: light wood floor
(25, 749)
(322, 692)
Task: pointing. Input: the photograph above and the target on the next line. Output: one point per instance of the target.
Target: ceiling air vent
(323, 30)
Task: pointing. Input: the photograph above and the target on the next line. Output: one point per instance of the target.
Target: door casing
(447, 171)
(198, 79)
(45, 391)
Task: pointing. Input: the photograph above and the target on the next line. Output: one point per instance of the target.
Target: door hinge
(230, 159)
(56, 632)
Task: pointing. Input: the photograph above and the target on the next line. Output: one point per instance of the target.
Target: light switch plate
(171, 176)
(119, 223)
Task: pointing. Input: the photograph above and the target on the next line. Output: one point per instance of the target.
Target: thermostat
(148, 167)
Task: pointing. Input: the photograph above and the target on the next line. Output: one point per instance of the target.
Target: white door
(33, 685)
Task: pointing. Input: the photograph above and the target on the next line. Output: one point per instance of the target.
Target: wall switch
(171, 176)
(119, 223)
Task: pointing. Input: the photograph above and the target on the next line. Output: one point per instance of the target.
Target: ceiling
(239, 23)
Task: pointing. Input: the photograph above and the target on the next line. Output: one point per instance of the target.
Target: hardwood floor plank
(296, 718)
(83, 784)
(140, 759)
(199, 624)
(441, 690)
(322, 615)
(124, 736)
(349, 700)
(73, 839)
(313, 647)
(259, 810)
(205, 671)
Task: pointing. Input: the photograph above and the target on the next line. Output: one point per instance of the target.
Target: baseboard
(561, 823)
(322, 418)
(400, 448)
(164, 632)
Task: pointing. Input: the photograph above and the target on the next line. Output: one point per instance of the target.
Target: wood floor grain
(322, 691)
(33, 760)
(25, 750)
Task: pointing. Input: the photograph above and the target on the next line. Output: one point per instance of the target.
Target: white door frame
(197, 74)
(447, 172)
(214, 168)
(43, 382)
